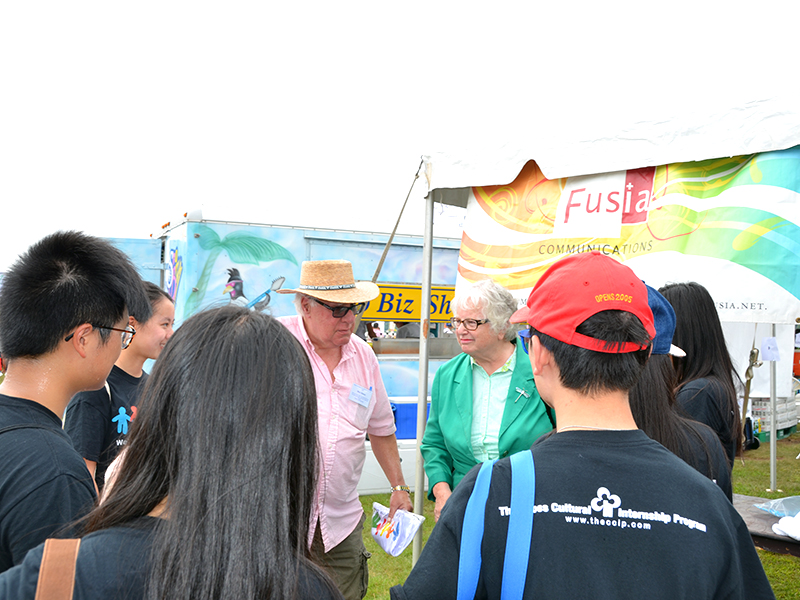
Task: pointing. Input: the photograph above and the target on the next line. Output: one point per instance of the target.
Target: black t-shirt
(113, 564)
(705, 400)
(714, 463)
(44, 483)
(98, 425)
(616, 516)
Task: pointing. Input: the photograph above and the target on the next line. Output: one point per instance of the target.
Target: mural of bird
(235, 287)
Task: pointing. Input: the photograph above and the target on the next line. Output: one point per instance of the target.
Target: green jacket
(446, 446)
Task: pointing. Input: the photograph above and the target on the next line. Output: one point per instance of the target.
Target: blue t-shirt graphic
(122, 421)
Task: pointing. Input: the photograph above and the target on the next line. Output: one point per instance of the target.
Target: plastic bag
(396, 534)
(788, 526)
(782, 507)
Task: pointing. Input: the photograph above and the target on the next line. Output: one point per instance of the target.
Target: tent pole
(391, 238)
(422, 399)
(773, 433)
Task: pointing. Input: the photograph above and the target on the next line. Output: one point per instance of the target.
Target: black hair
(589, 371)
(653, 407)
(154, 295)
(227, 432)
(65, 280)
(698, 332)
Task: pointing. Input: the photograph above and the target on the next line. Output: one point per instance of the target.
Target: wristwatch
(402, 488)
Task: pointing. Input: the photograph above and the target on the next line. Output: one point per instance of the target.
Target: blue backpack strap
(520, 526)
(469, 561)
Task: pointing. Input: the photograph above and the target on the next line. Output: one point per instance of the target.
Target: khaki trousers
(346, 563)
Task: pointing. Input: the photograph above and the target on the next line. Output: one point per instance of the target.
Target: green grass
(753, 479)
(750, 478)
(384, 570)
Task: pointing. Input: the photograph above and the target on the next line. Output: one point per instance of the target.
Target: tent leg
(422, 399)
(773, 433)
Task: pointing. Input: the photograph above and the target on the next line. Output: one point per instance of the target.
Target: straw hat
(332, 280)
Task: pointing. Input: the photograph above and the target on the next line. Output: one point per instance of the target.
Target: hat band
(346, 286)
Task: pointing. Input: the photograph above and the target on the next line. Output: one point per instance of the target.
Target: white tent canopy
(760, 125)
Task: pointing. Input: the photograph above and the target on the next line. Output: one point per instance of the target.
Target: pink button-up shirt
(343, 425)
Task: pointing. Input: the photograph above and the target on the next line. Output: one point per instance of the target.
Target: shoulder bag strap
(57, 571)
(469, 560)
(520, 526)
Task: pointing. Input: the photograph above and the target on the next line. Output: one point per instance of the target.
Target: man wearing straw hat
(352, 403)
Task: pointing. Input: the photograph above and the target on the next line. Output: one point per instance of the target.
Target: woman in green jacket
(484, 402)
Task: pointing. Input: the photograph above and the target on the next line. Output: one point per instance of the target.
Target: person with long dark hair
(706, 387)
(214, 497)
(652, 402)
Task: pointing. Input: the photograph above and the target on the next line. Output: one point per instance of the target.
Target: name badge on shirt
(360, 395)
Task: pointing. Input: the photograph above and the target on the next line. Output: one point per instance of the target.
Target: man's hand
(441, 492)
(385, 449)
(400, 500)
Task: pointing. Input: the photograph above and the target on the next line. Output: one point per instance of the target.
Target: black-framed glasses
(469, 324)
(340, 311)
(127, 334)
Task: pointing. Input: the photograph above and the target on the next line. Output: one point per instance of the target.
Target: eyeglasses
(469, 324)
(340, 311)
(127, 334)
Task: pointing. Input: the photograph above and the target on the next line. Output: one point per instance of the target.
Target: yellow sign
(401, 302)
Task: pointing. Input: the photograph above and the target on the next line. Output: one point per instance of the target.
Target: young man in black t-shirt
(616, 515)
(63, 313)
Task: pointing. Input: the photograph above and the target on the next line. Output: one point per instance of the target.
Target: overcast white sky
(117, 117)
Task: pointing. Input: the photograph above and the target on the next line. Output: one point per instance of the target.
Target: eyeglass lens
(127, 338)
(469, 324)
(340, 311)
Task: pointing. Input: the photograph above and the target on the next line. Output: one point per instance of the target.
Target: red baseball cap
(578, 287)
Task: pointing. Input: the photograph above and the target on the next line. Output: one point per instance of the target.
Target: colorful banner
(731, 224)
(401, 303)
